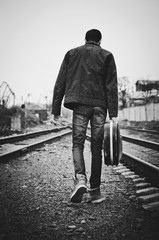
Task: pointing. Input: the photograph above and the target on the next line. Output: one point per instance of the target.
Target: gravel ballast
(34, 200)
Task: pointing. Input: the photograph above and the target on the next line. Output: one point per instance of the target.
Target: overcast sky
(36, 34)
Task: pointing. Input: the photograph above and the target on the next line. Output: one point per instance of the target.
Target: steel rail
(148, 169)
(23, 136)
(23, 149)
(139, 129)
(140, 142)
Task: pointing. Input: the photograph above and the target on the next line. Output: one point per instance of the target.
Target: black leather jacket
(87, 76)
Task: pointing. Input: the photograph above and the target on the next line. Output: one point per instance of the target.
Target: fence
(148, 112)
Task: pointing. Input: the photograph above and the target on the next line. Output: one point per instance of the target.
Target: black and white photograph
(79, 119)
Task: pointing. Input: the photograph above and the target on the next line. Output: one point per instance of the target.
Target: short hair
(93, 35)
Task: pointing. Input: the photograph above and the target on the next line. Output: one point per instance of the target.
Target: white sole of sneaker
(98, 200)
(77, 195)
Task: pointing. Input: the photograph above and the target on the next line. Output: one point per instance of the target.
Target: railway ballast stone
(34, 200)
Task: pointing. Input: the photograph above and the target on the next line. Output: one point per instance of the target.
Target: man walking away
(88, 80)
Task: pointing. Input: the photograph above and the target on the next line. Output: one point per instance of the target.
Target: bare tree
(125, 90)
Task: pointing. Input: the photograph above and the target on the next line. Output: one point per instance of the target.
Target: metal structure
(6, 95)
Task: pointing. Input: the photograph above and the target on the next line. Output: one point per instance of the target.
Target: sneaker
(96, 196)
(79, 190)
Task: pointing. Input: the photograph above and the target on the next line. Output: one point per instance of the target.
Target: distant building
(39, 110)
(147, 85)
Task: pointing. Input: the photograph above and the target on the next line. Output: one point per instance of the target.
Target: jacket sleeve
(59, 88)
(111, 87)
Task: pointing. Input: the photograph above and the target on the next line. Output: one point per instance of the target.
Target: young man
(88, 80)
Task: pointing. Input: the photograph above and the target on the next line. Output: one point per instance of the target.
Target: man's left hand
(114, 119)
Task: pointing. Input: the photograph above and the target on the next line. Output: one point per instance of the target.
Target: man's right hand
(56, 120)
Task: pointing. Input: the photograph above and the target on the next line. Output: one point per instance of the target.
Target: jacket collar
(92, 42)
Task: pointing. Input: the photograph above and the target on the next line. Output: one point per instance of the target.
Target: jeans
(81, 116)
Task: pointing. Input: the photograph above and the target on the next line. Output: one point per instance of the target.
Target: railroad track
(143, 170)
(139, 130)
(140, 162)
(11, 146)
(135, 147)
(143, 153)
(137, 168)
(143, 150)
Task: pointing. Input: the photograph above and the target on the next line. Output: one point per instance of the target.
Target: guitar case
(112, 144)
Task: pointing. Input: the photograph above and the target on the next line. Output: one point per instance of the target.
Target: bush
(31, 120)
(28, 119)
(5, 118)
